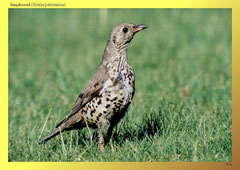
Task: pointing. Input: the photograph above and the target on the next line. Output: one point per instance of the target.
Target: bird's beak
(139, 28)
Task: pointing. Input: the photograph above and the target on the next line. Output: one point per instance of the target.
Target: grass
(182, 109)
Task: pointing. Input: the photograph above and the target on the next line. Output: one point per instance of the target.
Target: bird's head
(122, 34)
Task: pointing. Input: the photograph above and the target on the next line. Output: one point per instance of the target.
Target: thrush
(105, 99)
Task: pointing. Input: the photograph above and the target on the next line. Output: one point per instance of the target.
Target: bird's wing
(93, 89)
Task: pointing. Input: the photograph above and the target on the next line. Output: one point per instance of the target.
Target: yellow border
(234, 4)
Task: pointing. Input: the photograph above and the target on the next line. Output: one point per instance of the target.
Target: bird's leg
(111, 144)
(101, 130)
(109, 135)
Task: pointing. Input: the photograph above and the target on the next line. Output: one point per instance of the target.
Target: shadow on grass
(152, 124)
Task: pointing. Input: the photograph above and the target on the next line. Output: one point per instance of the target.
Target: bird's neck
(115, 55)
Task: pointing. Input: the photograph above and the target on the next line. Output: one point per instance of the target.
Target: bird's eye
(125, 30)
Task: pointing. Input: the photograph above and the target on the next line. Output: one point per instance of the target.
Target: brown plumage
(109, 92)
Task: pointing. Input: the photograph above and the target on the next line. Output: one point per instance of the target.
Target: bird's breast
(123, 83)
(115, 96)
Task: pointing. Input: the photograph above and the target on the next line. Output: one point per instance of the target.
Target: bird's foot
(101, 146)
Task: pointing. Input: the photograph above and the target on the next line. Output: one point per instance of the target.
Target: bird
(108, 94)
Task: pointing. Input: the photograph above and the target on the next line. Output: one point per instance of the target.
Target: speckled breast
(116, 94)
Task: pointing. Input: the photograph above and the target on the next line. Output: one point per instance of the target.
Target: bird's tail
(51, 135)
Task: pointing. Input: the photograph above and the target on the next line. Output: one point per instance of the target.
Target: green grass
(182, 109)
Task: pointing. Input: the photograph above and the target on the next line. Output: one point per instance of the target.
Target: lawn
(182, 108)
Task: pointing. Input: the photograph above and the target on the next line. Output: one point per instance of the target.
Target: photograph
(120, 85)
